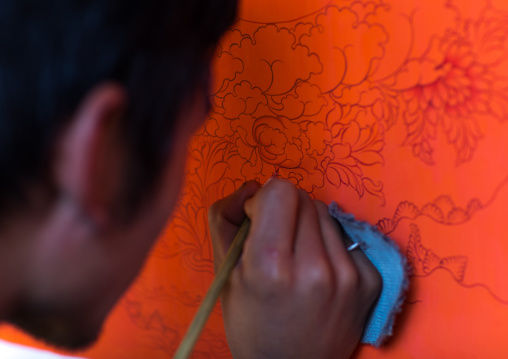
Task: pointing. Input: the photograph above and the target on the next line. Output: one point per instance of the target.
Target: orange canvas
(395, 109)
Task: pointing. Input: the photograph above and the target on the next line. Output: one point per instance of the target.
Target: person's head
(98, 99)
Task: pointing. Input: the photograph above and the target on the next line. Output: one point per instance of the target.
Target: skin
(66, 259)
(296, 292)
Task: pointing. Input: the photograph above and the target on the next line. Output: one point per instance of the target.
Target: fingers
(273, 214)
(313, 264)
(309, 243)
(346, 274)
(226, 216)
(354, 269)
(285, 243)
(291, 236)
(371, 280)
(296, 283)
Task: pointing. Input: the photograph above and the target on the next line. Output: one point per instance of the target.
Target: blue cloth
(391, 264)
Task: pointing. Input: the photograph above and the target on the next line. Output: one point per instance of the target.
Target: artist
(98, 100)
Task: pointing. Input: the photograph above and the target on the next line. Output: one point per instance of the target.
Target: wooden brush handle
(206, 307)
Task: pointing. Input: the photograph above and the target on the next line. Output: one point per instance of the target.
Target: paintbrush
(221, 278)
(206, 307)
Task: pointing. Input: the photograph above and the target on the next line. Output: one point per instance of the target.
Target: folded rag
(392, 266)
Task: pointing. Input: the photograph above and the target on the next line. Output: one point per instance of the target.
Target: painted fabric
(397, 110)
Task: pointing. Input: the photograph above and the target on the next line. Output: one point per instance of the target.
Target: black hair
(53, 52)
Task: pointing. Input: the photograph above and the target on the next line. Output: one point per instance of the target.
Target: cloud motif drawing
(335, 100)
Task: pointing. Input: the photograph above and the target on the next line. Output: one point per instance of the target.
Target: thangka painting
(397, 110)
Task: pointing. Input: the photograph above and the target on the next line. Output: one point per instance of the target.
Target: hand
(296, 291)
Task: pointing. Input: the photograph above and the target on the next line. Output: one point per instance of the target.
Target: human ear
(89, 156)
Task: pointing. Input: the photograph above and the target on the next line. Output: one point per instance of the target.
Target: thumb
(225, 218)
